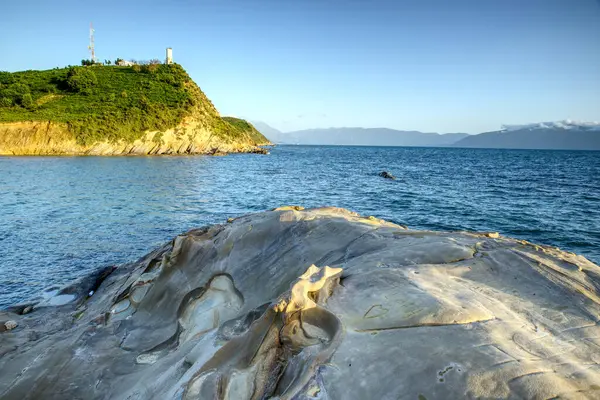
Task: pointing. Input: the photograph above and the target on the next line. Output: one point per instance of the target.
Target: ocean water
(61, 217)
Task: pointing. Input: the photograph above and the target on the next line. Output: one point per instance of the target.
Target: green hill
(112, 104)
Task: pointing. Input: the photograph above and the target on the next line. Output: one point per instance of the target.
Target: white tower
(91, 46)
(169, 59)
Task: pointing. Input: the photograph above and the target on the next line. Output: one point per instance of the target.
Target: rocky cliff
(316, 304)
(191, 136)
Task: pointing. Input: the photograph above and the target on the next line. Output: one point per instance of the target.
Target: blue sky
(431, 65)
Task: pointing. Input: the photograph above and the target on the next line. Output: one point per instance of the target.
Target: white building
(125, 63)
(169, 59)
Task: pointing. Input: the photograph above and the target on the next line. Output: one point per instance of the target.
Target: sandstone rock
(320, 303)
(189, 137)
(10, 325)
(288, 208)
(260, 150)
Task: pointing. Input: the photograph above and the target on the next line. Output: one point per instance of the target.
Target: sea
(61, 217)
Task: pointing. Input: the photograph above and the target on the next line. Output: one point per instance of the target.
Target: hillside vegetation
(112, 103)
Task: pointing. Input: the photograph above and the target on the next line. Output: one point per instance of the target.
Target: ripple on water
(64, 216)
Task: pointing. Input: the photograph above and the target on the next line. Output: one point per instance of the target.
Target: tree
(81, 80)
(107, 62)
(15, 92)
(149, 68)
(6, 78)
(6, 102)
(27, 101)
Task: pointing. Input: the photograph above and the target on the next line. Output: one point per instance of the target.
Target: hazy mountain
(367, 137)
(566, 135)
(274, 135)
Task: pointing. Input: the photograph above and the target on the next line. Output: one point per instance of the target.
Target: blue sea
(61, 217)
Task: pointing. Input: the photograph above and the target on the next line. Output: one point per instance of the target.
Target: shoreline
(260, 149)
(190, 137)
(311, 298)
(104, 272)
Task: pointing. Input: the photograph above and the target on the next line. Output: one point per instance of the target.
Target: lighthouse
(169, 59)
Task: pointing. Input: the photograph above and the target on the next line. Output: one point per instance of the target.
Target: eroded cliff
(191, 136)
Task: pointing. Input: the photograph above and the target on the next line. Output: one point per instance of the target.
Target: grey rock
(387, 175)
(319, 303)
(10, 325)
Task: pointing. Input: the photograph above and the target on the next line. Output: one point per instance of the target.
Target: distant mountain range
(563, 135)
(568, 135)
(271, 133)
(358, 136)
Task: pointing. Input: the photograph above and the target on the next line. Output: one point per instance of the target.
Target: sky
(429, 65)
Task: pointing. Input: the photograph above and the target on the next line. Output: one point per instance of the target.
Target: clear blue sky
(431, 65)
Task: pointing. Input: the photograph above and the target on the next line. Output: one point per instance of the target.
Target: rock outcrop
(317, 304)
(191, 136)
(387, 175)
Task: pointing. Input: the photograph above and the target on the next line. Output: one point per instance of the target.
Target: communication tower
(91, 46)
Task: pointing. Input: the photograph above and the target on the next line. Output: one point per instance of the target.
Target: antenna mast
(91, 46)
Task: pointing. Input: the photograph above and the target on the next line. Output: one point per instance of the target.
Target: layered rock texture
(316, 304)
(191, 136)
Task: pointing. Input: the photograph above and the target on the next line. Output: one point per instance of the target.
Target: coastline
(191, 137)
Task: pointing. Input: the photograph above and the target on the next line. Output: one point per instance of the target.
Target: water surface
(63, 216)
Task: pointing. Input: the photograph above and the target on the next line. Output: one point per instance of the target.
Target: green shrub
(11, 94)
(149, 68)
(6, 78)
(81, 80)
(20, 88)
(27, 101)
(48, 88)
(167, 78)
(6, 102)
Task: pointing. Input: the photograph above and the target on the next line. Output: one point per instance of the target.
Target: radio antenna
(91, 46)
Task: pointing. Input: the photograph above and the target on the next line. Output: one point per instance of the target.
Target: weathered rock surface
(321, 304)
(191, 136)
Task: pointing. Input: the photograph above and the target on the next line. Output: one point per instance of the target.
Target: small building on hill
(125, 63)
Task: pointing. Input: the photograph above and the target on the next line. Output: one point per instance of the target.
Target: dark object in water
(387, 175)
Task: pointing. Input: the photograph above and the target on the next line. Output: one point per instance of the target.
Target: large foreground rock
(317, 304)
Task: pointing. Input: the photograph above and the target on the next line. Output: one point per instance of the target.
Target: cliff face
(315, 304)
(156, 109)
(189, 137)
